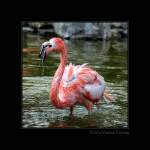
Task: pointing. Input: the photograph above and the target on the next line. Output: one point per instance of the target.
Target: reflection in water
(108, 58)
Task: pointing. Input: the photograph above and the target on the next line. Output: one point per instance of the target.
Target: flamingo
(72, 85)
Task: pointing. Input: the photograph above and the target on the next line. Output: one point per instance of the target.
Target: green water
(108, 58)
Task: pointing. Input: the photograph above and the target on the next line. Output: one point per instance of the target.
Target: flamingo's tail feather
(106, 95)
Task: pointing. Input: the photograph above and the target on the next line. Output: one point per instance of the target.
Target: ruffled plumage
(80, 82)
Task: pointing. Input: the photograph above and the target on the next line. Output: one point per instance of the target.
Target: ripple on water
(38, 111)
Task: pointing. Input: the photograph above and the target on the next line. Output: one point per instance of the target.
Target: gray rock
(87, 30)
(90, 30)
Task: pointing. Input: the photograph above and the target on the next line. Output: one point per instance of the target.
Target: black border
(87, 131)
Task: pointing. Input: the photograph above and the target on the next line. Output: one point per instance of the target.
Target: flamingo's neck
(57, 79)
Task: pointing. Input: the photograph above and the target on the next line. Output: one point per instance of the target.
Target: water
(108, 58)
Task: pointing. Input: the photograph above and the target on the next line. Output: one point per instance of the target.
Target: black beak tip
(42, 56)
(42, 53)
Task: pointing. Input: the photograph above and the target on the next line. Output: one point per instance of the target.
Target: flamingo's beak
(42, 54)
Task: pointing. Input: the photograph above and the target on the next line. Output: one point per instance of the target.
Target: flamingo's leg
(90, 112)
(71, 111)
(88, 106)
(97, 105)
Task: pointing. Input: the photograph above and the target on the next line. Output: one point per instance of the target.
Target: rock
(26, 27)
(106, 31)
(90, 30)
(83, 30)
(46, 30)
(119, 30)
(68, 30)
(115, 25)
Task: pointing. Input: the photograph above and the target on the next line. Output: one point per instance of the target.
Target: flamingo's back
(80, 83)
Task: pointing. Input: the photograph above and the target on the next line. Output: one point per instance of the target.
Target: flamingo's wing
(79, 81)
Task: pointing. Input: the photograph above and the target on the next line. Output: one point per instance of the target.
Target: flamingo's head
(54, 44)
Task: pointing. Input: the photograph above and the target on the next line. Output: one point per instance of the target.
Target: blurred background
(78, 30)
(103, 45)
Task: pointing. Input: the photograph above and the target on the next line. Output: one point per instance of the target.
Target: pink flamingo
(72, 84)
